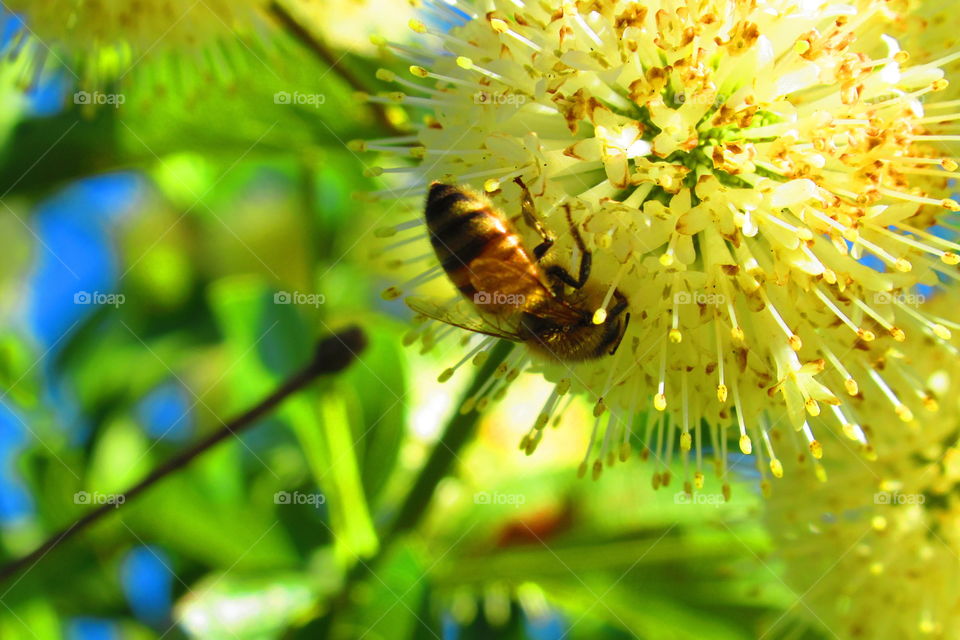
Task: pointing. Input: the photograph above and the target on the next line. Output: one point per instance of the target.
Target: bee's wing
(517, 283)
(526, 289)
(456, 316)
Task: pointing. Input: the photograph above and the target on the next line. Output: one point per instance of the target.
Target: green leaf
(255, 324)
(35, 619)
(379, 384)
(120, 457)
(333, 461)
(391, 600)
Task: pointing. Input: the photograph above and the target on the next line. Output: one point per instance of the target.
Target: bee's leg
(620, 306)
(529, 213)
(617, 309)
(623, 332)
(586, 260)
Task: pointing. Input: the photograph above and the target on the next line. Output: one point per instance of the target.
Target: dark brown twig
(333, 354)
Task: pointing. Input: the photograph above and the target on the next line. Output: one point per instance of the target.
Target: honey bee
(518, 295)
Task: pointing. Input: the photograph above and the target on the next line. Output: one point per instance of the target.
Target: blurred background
(179, 229)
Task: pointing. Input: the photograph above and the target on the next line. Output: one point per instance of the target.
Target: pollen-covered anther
(660, 402)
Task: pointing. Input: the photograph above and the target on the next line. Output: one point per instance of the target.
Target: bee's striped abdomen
(464, 227)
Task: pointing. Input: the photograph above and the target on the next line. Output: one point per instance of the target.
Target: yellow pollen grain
(685, 442)
(851, 386)
(698, 480)
(599, 316)
(446, 375)
(795, 342)
(417, 26)
(746, 447)
(903, 411)
(599, 409)
(776, 468)
(660, 402)
(950, 258)
(722, 392)
(902, 265)
(816, 449)
(850, 430)
(675, 336)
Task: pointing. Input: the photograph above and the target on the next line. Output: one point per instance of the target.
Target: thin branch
(333, 354)
(320, 49)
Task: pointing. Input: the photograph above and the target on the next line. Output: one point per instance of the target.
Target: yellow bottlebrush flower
(758, 187)
(100, 41)
(873, 552)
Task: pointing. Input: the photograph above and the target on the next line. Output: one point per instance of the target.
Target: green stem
(459, 430)
(457, 433)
